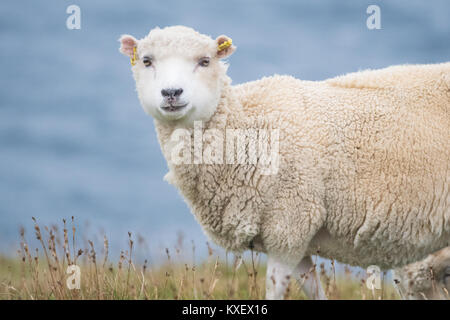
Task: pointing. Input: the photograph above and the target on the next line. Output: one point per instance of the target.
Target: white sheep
(358, 166)
(426, 279)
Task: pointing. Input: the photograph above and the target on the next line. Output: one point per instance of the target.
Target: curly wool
(363, 172)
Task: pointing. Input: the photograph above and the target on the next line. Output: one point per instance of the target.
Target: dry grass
(40, 273)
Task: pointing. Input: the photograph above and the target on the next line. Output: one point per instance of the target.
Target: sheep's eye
(204, 62)
(147, 61)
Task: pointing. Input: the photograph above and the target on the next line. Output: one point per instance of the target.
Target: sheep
(358, 166)
(426, 279)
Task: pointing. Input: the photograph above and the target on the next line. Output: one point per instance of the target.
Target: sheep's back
(382, 138)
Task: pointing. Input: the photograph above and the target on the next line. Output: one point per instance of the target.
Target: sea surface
(74, 140)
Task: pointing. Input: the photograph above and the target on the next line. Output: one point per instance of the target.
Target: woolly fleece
(363, 169)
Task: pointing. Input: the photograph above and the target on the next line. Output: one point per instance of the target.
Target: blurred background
(74, 140)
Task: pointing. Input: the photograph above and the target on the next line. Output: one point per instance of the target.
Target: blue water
(74, 140)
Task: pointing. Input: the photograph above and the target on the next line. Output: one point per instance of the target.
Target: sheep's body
(364, 159)
(426, 279)
(364, 169)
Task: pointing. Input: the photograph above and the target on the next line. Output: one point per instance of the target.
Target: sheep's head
(178, 72)
(426, 279)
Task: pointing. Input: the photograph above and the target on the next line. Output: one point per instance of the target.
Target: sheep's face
(178, 73)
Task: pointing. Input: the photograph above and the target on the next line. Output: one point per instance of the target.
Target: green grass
(40, 273)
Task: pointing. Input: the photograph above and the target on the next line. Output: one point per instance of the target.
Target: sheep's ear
(224, 47)
(127, 43)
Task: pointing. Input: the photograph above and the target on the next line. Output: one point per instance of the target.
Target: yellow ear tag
(133, 58)
(225, 45)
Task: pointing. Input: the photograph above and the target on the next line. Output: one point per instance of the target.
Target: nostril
(165, 92)
(178, 92)
(171, 93)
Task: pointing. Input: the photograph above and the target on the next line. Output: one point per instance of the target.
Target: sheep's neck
(201, 184)
(229, 110)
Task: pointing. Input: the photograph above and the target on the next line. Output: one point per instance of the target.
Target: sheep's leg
(308, 279)
(278, 275)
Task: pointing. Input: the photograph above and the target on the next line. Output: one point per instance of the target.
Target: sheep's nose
(171, 93)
